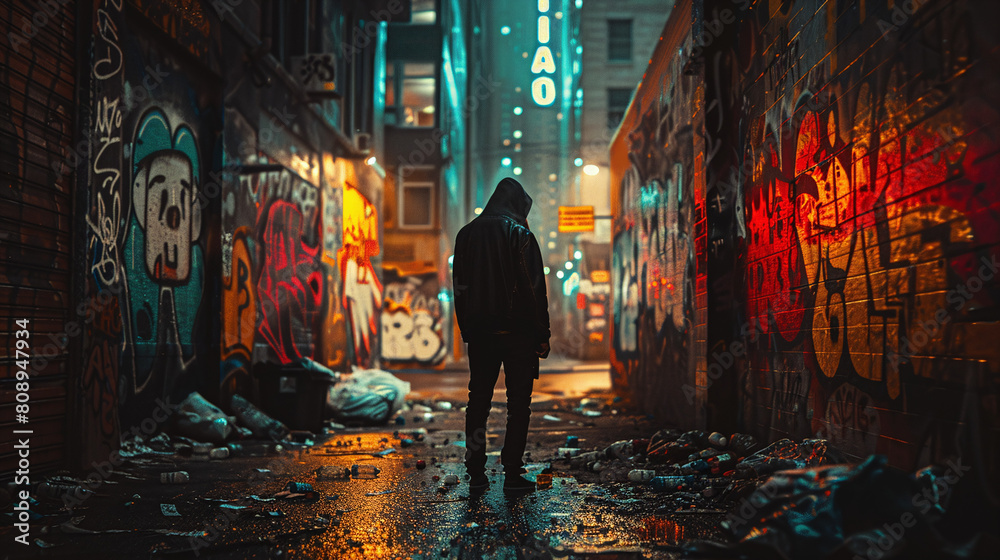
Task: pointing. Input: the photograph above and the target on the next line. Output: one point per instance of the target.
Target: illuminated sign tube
(543, 87)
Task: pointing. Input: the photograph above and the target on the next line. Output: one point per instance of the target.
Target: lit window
(423, 12)
(410, 101)
(619, 39)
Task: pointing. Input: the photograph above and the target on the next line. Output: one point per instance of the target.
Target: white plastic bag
(367, 396)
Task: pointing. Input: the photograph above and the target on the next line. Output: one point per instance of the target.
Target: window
(410, 93)
(618, 99)
(416, 197)
(423, 12)
(619, 39)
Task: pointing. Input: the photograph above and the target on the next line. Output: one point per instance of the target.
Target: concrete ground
(229, 509)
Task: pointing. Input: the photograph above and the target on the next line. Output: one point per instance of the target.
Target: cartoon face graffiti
(163, 196)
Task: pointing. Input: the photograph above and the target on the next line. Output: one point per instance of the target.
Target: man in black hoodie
(503, 314)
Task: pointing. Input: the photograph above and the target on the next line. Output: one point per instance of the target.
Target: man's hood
(509, 199)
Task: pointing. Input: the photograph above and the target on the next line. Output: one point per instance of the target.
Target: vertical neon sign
(543, 88)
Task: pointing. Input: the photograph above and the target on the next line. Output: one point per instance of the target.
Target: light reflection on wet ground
(403, 513)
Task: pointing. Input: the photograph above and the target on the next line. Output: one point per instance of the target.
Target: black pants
(520, 364)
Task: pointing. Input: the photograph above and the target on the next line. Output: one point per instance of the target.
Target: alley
(228, 508)
(261, 259)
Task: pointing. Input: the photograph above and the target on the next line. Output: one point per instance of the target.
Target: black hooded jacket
(498, 272)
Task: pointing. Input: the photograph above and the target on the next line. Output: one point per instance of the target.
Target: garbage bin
(293, 394)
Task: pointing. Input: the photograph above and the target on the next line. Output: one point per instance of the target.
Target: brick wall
(851, 199)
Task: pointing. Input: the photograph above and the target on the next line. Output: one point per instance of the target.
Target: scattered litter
(451, 479)
(295, 490)
(42, 544)
(384, 452)
(443, 405)
(257, 498)
(219, 453)
(176, 477)
(233, 506)
(169, 510)
(551, 418)
(362, 471)
(382, 493)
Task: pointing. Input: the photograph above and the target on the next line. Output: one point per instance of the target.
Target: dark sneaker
(479, 482)
(517, 483)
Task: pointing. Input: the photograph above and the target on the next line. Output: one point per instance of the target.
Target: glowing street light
(559, 274)
(518, 110)
(370, 160)
(569, 265)
(505, 162)
(577, 255)
(591, 169)
(505, 30)
(578, 162)
(517, 171)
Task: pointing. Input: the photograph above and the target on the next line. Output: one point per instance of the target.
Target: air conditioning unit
(363, 141)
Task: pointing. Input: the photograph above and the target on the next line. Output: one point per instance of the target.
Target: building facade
(194, 198)
(617, 39)
(804, 233)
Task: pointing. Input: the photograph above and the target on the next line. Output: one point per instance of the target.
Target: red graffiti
(290, 284)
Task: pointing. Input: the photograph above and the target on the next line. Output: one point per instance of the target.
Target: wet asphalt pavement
(229, 508)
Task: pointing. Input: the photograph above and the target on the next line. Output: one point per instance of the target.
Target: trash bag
(261, 425)
(812, 513)
(201, 420)
(366, 397)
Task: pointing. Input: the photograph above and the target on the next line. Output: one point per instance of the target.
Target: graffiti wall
(152, 143)
(654, 266)
(359, 262)
(299, 268)
(413, 333)
(870, 222)
(850, 237)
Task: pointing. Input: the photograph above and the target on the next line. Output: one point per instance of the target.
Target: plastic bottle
(641, 475)
(365, 471)
(703, 454)
(299, 487)
(721, 463)
(219, 453)
(717, 440)
(696, 466)
(672, 483)
(57, 490)
(332, 473)
(176, 477)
